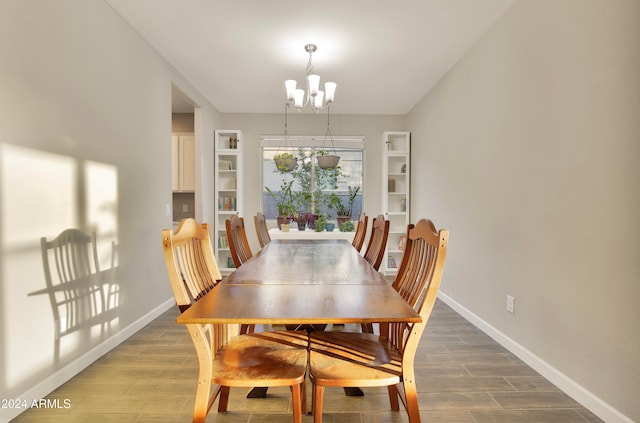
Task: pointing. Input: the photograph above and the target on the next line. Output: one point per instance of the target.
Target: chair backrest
(190, 262)
(361, 231)
(377, 241)
(238, 244)
(418, 281)
(70, 264)
(261, 229)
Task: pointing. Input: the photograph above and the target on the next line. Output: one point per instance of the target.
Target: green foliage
(347, 226)
(321, 223)
(285, 162)
(284, 198)
(347, 210)
(314, 181)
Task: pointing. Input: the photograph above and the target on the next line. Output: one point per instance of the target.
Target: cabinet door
(187, 163)
(175, 163)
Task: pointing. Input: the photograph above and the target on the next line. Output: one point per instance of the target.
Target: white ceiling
(384, 56)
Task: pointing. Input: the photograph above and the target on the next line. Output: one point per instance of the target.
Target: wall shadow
(84, 298)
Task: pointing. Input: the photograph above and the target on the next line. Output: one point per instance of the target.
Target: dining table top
(302, 281)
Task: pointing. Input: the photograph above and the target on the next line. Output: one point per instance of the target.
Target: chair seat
(353, 359)
(262, 359)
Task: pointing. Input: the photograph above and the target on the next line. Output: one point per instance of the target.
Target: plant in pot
(347, 226)
(285, 162)
(327, 160)
(330, 226)
(321, 223)
(345, 212)
(332, 202)
(284, 202)
(301, 219)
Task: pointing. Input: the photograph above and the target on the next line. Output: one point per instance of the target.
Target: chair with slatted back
(361, 231)
(238, 244)
(261, 229)
(377, 241)
(375, 250)
(366, 360)
(239, 249)
(246, 360)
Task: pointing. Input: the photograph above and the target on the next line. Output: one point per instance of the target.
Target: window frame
(319, 142)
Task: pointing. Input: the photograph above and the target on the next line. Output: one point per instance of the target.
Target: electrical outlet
(510, 304)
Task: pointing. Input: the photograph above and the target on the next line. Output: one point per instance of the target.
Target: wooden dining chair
(246, 360)
(237, 237)
(261, 229)
(375, 251)
(365, 360)
(377, 241)
(361, 231)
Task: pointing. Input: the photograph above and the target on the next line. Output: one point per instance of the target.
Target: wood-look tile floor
(463, 376)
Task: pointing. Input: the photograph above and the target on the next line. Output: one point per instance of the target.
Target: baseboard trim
(586, 398)
(58, 378)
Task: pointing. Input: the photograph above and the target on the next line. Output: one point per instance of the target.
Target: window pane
(312, 188)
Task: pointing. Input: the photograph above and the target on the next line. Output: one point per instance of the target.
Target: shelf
(396, 176)
(228, 187)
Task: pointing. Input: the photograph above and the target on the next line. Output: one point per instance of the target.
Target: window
(313, 190)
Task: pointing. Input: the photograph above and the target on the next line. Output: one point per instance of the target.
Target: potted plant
(345, 212)
(285, 162)
(321, 223)
(301, 220)
(347, 226)
(327, 161)
(284, 202)
(332, 201)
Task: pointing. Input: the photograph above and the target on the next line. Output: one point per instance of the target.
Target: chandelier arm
(308, 98)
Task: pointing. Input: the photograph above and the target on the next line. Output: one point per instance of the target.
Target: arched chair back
(361, 231)
(377, 241)
(261, 229)
(190, 262)
(227, 360)
(238, 244)
(367, 360)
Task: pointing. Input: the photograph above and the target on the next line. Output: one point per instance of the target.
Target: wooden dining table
(302, 281)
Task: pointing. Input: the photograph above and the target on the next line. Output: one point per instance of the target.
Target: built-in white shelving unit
(228, 190)
(396, 190)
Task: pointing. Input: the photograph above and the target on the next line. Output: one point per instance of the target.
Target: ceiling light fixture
(315, 97)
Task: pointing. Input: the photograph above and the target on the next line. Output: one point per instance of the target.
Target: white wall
(81, 92)
(255, 125)
(530, 156)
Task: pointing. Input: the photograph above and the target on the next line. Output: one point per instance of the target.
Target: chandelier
(314, 97)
